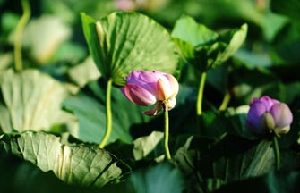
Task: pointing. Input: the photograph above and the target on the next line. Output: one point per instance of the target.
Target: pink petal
(139, 95)
(281, 115)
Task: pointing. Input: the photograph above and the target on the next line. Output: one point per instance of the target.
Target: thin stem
(108, 115)
(225, 102)
(18, 34)
(167, 134)
(200, 93)
(276, 152)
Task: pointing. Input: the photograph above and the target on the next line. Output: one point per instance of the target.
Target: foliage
(53, 110)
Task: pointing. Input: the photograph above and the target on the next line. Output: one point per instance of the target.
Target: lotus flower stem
(200, 93)
(167, 134)
(225, 102)
(18, 34)
(276, 152)
(108, 115)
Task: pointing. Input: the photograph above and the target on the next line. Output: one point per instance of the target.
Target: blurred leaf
(44, 36)
(188, 30)
(82, 73)
(289, 8)
(68, 52)
(81, 164)
(30, 100)
(143, 146)
(158, 179)
(8, 23)
(122, 42)
(272, 24)
(161, 178)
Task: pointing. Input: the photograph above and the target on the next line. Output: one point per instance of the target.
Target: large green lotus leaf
(187, 29)
(81, 164)
(122, 42)
(30, 100)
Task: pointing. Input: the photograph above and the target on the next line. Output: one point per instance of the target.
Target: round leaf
(122, 42)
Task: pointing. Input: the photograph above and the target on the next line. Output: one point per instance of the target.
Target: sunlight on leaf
(122, 42)
(79, 164)
(31, 100)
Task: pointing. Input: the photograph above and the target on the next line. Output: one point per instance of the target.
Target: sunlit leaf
(84, 72)
(187, 29)
(143, 146)
(122, 42)
(79, 164)
(31, 100)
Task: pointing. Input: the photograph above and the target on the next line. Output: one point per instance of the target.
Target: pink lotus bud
(269, 114)
(151, 87)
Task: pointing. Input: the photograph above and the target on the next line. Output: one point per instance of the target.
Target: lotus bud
(269, 115)
(151, 88)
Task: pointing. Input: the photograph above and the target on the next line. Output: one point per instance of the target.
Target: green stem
(225, 102)
(108, 115)
(167, 134)
(200, 93)
(276, 152)
(18, 34)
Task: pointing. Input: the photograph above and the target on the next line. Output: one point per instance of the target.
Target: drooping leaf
(82, 73)
(79, 164)
(234, 40)
(289, 8)
(143, 146)
(122, 42)
(30, 100)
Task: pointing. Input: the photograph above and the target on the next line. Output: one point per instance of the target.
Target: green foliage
(214, 152)
(79, 164)
(122, 42)
(31, 100)
(210, 48)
